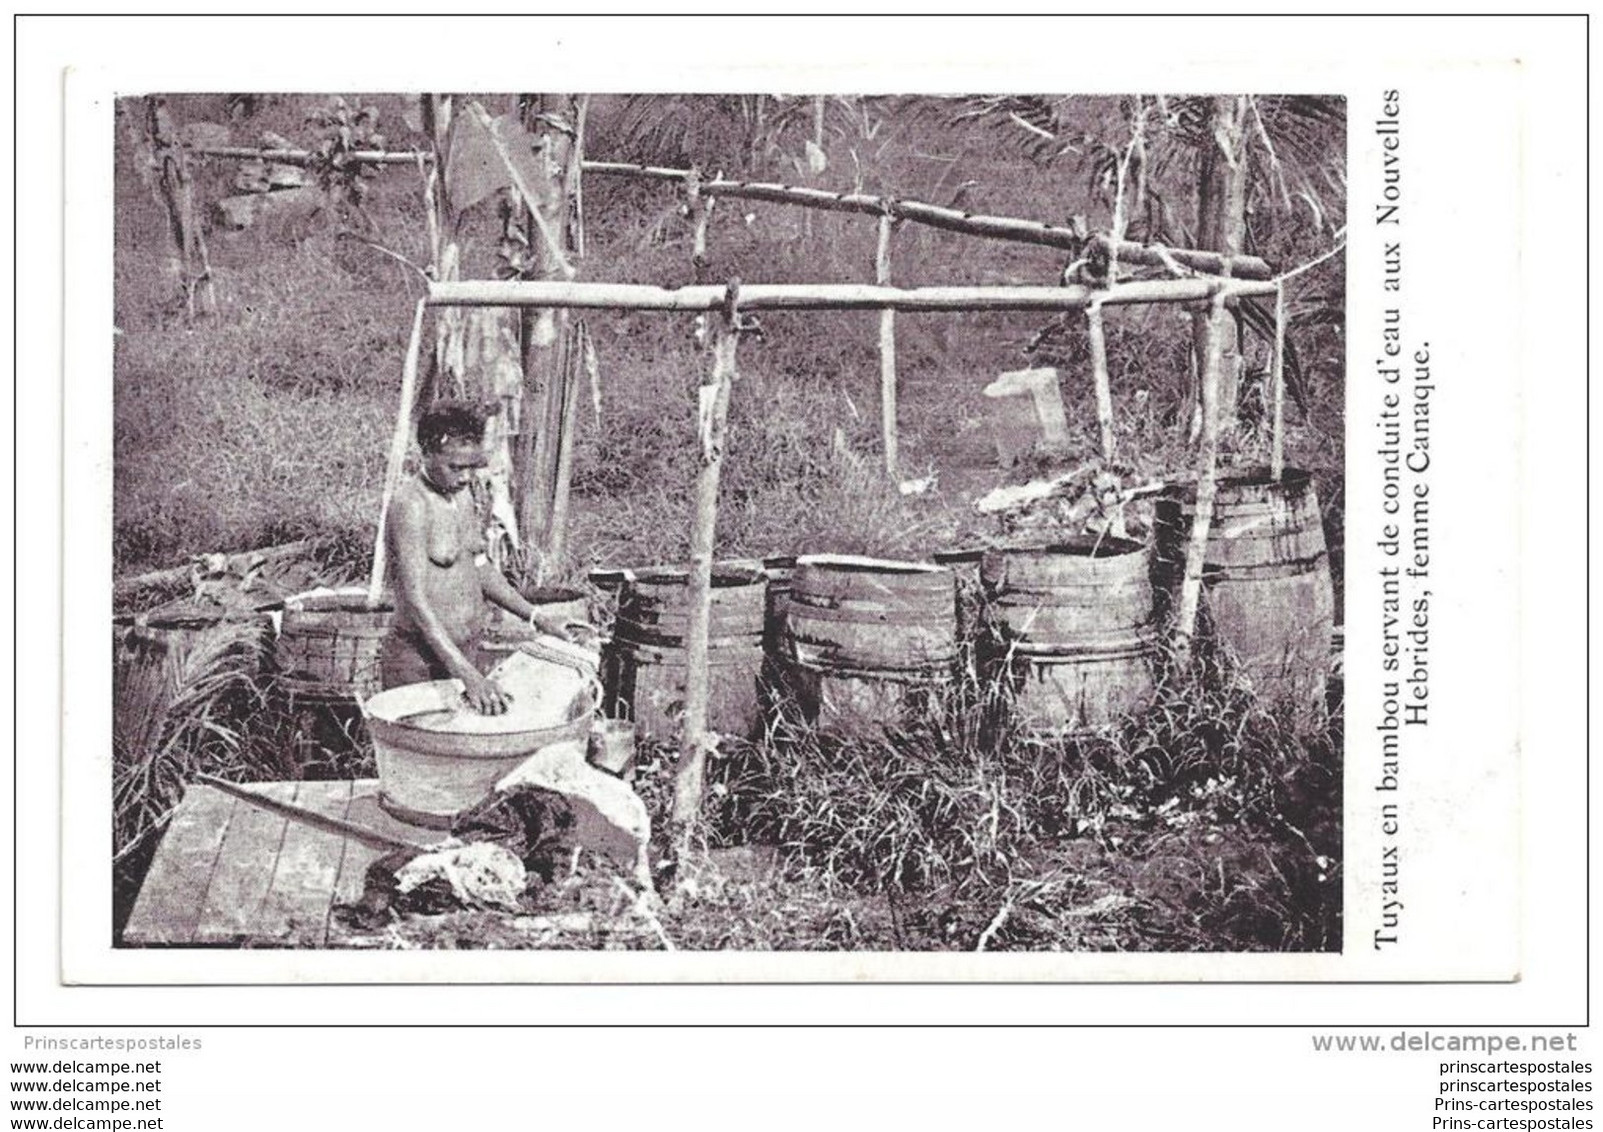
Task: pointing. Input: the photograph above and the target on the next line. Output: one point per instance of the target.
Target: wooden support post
(1207, 486)
(713, 416)
(1222, 226)
(398, 446)
(1277, 376)
(887, 348)
(1099, 374)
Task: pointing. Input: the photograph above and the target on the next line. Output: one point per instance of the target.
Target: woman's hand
(581, 633)
(483, 696)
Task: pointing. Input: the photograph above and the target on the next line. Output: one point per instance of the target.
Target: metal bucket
(438, 758)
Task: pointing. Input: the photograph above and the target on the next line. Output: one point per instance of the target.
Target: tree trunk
(192, 263)
(548, 336)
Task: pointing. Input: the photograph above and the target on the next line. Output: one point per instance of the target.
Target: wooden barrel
(1075, 639)
(644, 663)
(329, 644)
(504, 632)
(779, 570)
(1266, 580)
(868, 640)
(172, 631)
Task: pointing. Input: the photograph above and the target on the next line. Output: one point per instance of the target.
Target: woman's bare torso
(451, 581)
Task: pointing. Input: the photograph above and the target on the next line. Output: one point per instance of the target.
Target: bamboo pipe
(689, 782)
(1277, 458)
(1099, 375)
(952, 220)
(887, 349)
(1008, 228)
(1207, 488)
(829, 296)
(398, 445)
(307, 157)
(122, 587)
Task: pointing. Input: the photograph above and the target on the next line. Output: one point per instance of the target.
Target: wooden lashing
(1099, 375)
(1207, 485)
(1277, 376)
(887, 346)
(713, 416)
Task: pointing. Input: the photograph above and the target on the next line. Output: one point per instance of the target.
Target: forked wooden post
(713, 416)
(1277, 457)
(1207, 486)
(1099, 373)
(887, 348)
(398, 445)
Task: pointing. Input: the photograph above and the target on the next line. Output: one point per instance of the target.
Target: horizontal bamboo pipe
(307, 157)
(122, 587)
(950, 219)
(826, 296)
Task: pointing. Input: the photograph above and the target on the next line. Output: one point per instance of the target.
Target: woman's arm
(499, 590)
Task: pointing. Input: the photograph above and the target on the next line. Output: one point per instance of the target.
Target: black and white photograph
(985, 568)
(729, 522)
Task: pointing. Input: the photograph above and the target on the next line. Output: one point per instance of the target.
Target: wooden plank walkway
(229, 873)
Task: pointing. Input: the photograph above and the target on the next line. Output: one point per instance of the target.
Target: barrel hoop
(355, 633)
(1128, 649)
(1015, 598)
(1265, 570)
(1126, 637)
(720, 654)
(311, 688)
(936, 673)
(635, 635)
(800, 608)
(420, 818)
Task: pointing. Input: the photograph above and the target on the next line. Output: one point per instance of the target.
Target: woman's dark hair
(449, 420)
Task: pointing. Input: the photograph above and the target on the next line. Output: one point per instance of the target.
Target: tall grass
(957, 805)
(181, 698)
